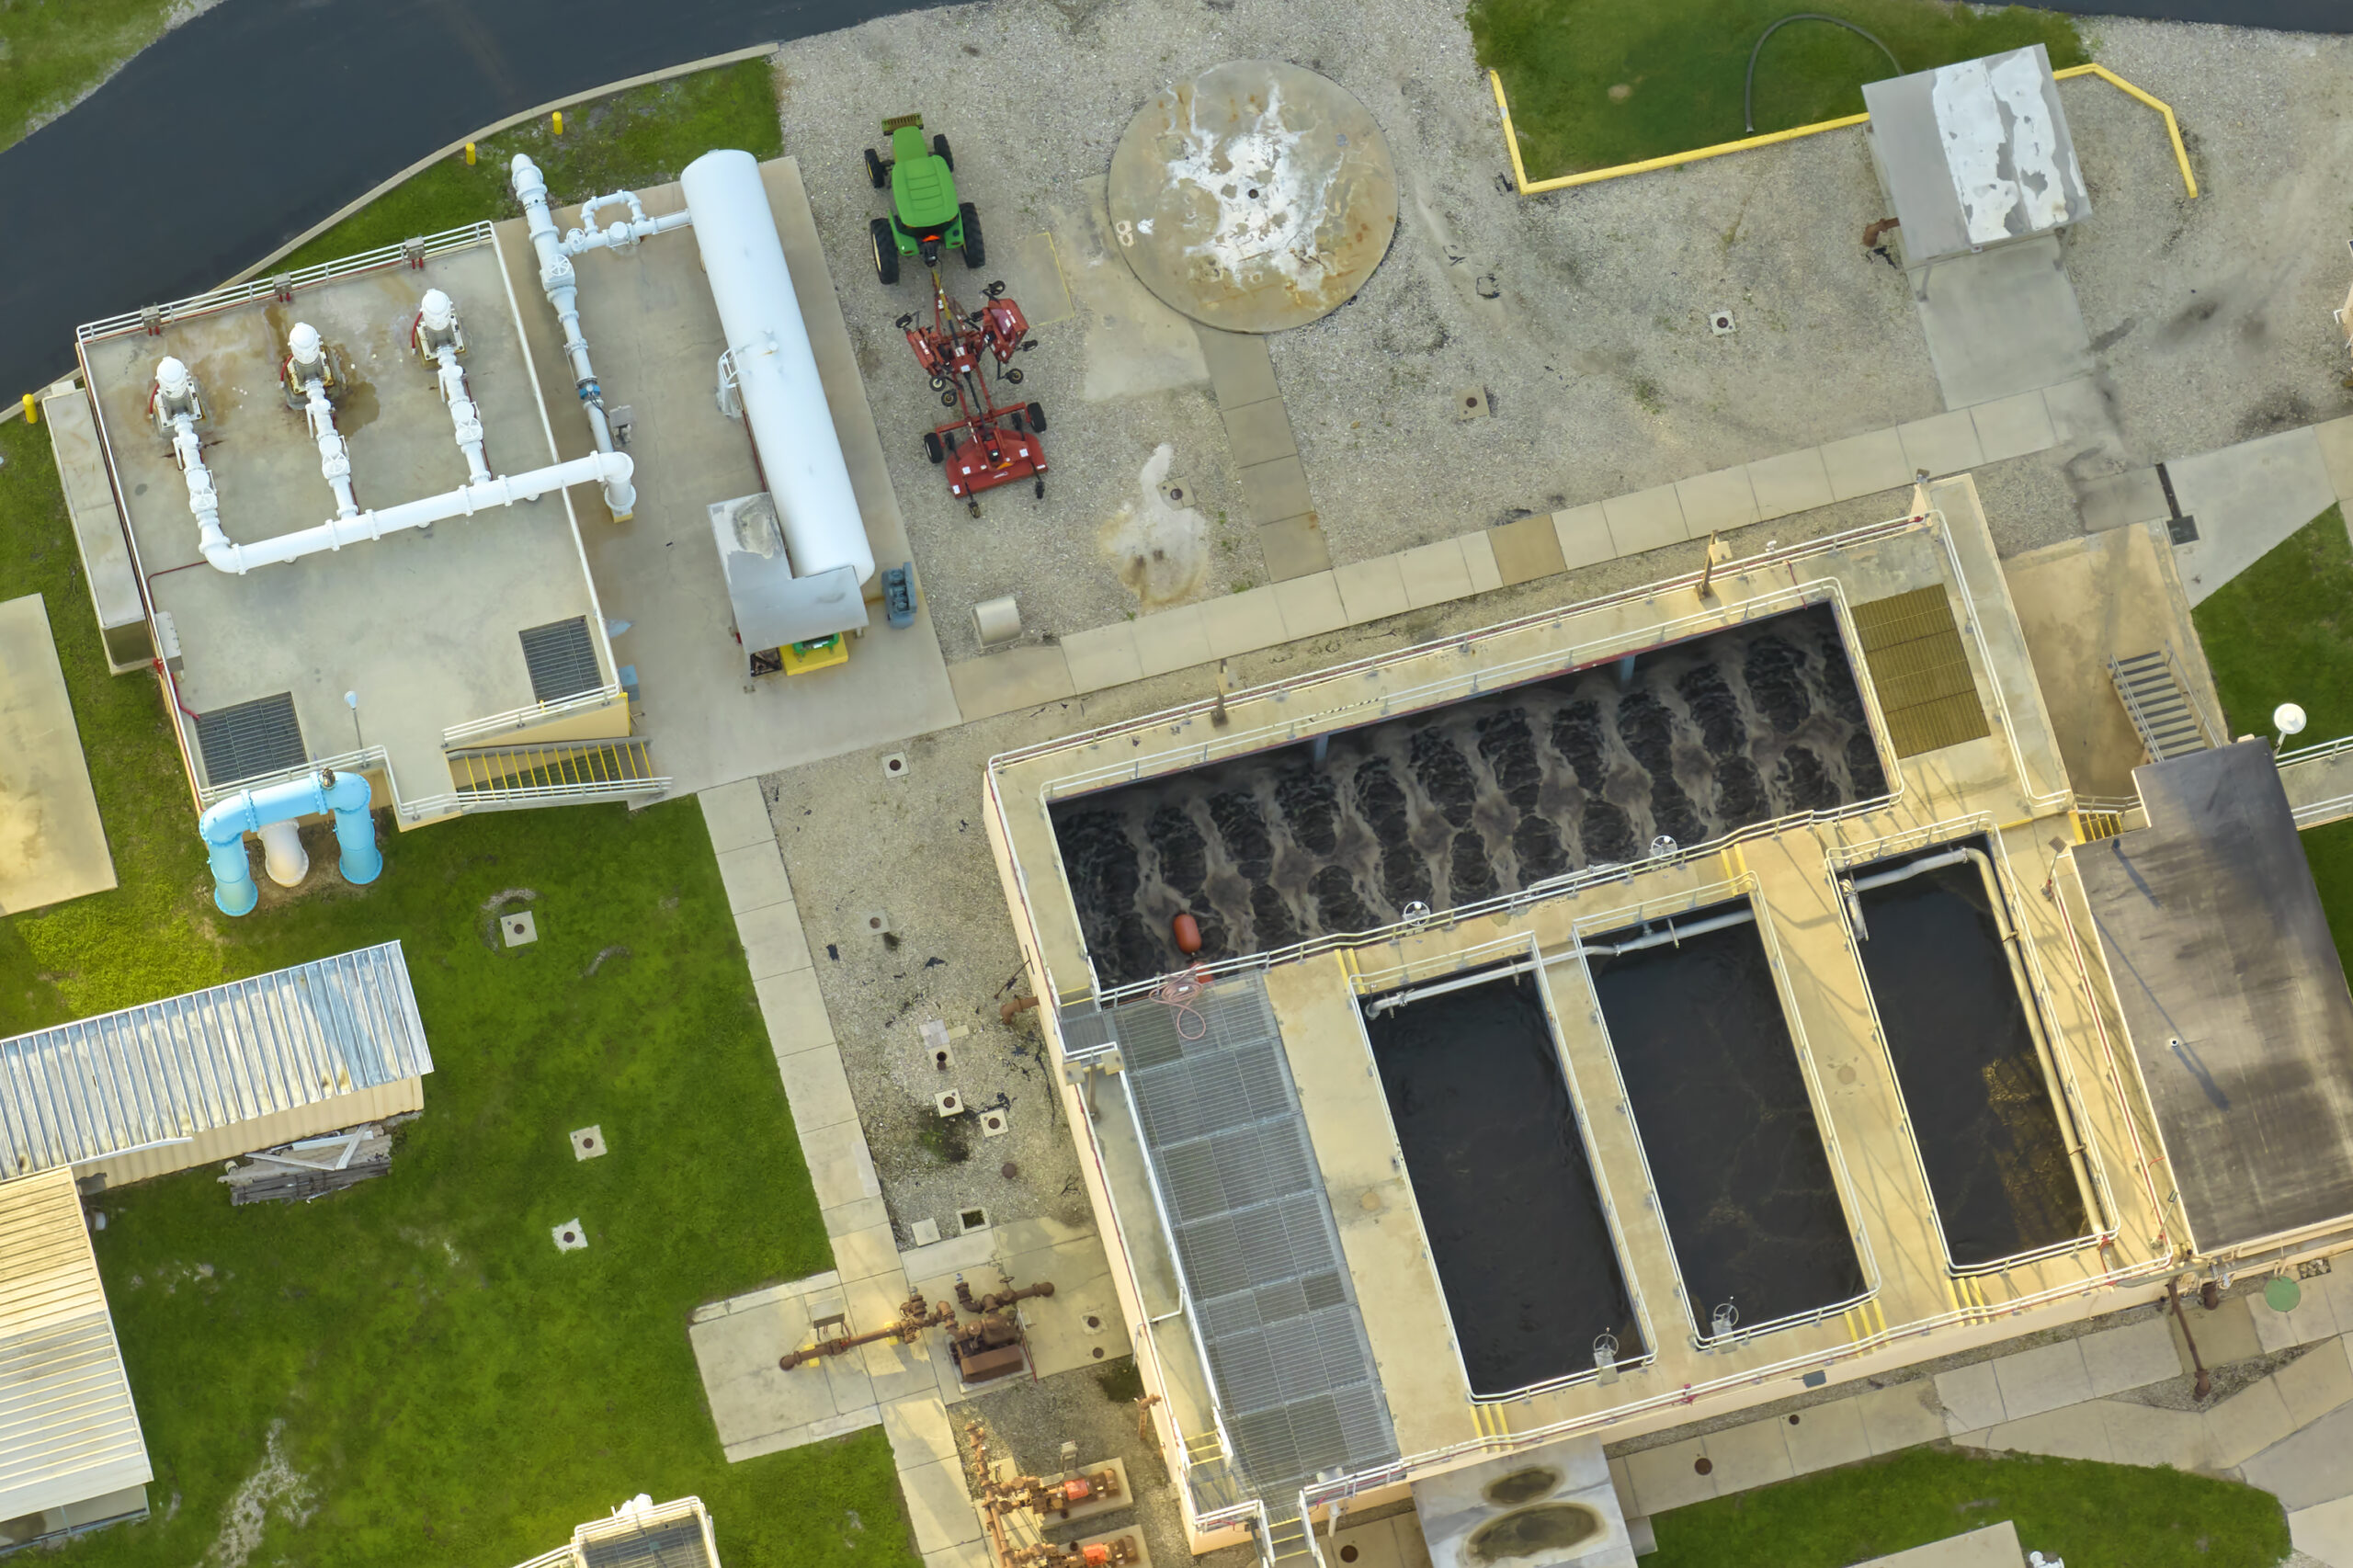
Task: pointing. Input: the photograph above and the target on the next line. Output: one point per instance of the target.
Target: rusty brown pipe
(1015, 1008)
(915, 1316)
(1000, 1299)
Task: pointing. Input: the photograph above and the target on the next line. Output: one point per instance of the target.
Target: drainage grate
(1255, 1239)
(1912, 653)
(250, 739)
(563, 658)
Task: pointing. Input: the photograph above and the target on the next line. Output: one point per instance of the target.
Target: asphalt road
(245, 127)
(249, 124)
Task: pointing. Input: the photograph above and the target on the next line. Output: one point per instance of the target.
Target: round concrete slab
(1256, 196)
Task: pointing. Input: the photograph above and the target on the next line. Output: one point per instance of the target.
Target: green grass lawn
(2282, 631)
(1595, 83)
(52, 50)
(2084, 1512)
(642, 136)
(446, 1387)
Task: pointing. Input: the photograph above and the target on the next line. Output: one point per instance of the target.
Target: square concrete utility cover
(518, 930)
(588, 1143)
(2001, 323)
(570, 1236)
(52, 847)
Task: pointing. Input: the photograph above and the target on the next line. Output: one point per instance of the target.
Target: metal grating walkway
(1254, 1239)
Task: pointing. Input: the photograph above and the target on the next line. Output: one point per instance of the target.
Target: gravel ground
(2210, 316)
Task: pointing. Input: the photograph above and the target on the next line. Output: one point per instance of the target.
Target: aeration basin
(1963, 1044)
(1505, 1183)
(1712, 1072)
(1453, 804)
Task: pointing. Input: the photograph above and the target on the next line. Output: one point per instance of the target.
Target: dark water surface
(1980, 1104)
(1712, 1074)
(1460, 803)
(1504, 1182)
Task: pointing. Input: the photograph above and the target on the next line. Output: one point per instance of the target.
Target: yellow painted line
(1864, 1320)
(1773, 137)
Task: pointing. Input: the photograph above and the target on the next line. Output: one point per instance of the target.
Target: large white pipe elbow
(282, 855)
(558, 279)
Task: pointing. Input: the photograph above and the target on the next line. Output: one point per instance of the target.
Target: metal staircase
(560, 772)
(2158, 700)
(1287, 1538)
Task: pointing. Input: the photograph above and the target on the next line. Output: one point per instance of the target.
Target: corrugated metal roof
(68, 1432)
(170, 1070)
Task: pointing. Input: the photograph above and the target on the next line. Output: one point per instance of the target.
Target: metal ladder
(2159, 703)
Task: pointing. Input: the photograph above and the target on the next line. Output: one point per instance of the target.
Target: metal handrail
(535, 713)
(465, 800)
(365, 759)
(399, 254)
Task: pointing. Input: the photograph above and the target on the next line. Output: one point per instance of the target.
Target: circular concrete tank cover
(1533, 1532)
(2283, 1295)
(1256, 196)
(1524, 1486)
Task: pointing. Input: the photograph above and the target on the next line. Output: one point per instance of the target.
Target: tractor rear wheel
(940, 150)
(876, 169)
(976, 254)
(1037, 419)
(931, 447)
(886, 250)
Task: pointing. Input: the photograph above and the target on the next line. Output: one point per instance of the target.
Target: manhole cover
(1256, 196)
(2283, 1295)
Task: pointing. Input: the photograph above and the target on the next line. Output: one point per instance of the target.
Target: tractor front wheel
(940, 150)
(886, 250)
(931, 447)
(1037, 419)
(975, 253)
(877, 170)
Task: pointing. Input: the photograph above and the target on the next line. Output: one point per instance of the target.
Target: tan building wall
(396, 1098)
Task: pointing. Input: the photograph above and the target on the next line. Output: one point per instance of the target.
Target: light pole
(2289, 720)
(352, 701)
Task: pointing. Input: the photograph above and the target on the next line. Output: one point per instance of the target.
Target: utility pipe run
(437, 337)
(176, 404)
(265, 810)
(620, 237)
(610, 468)
(562, 285)
(306, 367)
(1670, 933)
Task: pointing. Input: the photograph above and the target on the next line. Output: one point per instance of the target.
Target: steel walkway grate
(1254, 1238)
(619, 766)
(250, 739)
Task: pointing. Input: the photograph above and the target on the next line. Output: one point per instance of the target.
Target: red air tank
(1187, 932)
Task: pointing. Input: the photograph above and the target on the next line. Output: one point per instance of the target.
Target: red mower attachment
(967, 358)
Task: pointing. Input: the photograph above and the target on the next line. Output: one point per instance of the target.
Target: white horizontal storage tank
(776, 371)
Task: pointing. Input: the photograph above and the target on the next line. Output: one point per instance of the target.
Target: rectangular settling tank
(1951, 1010)
(1504, 1181)
(1719, 1098)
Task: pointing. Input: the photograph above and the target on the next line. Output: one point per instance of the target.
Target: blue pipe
(224, 827)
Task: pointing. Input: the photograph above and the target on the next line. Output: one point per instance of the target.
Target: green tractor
(926, 218)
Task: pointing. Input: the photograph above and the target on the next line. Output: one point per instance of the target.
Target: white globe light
(2288, 719)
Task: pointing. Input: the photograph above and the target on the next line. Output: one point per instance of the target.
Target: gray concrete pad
(1583, 533)
(1665, 1477)
(1902, 1417)
(1749, 1455)
(1828, 1436)
(1295, 547)
(2324, 1533)
(2336, 452)
(52, 847)
(1861, 464)
(2307, 1468)
(756, 1406)
(1312, 605)
(1971, 1397)
(2067, 1432)
(2002, 321)
(1794, 482)
(1646, 519)
(2121, 500)
(2312, 1319)
(1013, 677)
(656, 334)
(1995, 1546)
(1718, 501)
(2247, 499)
(2129, 1357)
(1942, 443)
(107, 568)
(2013, 427)
(2150, 1435)
(2042, 1379)
(1528, 550)
(2250, 1421)
(2317, 1383)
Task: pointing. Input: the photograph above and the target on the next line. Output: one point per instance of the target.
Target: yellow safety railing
(1768, 139)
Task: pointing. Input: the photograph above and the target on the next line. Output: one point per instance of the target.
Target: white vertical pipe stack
(174, 401)
(776, 369)
(557, 278)
(308, 369)
(436, 323)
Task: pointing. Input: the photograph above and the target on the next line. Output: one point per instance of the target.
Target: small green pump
(926, 218)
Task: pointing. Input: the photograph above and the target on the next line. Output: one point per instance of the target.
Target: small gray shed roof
(1976, 153)
(170, 1070)
(2233, 993)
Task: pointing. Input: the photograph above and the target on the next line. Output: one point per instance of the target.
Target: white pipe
(611, 469)
(282, 855)
(437, 320)
(775, 368)
(561, 284)
(307, 367)
(174, 397)
(620, 237)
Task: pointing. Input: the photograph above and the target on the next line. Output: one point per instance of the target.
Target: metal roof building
(71, 1454)
(216, 1072)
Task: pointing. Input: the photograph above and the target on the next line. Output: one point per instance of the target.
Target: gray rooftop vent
(562, 659)
(250, 739)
